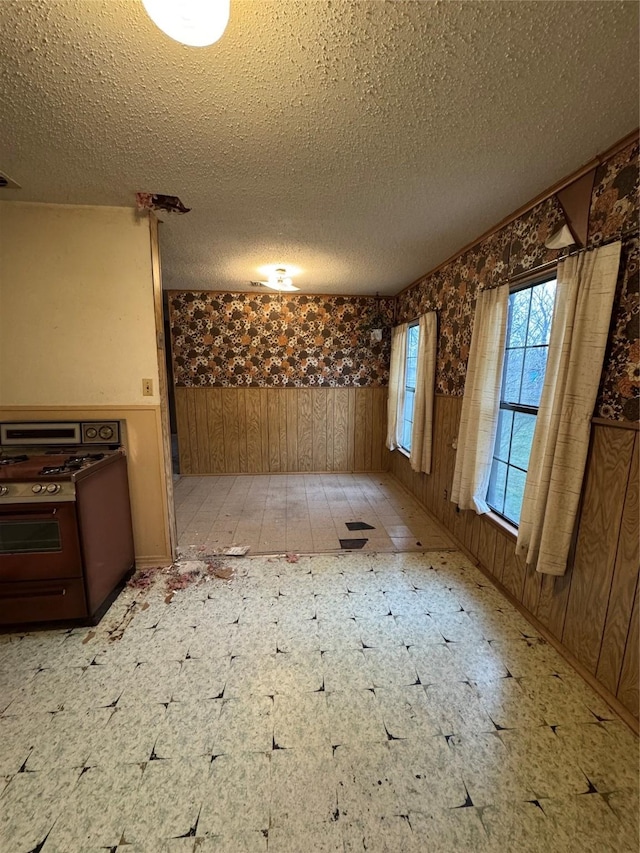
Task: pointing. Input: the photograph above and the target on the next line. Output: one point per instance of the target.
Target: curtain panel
(582, 313)
(422, 432)
(396, 384)
(481, 401)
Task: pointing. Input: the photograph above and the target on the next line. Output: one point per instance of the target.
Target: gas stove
(44, 473)
(66, 538)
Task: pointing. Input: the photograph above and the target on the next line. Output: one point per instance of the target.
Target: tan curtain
(422, 431)
(481, 402)
(396, 384)
(582, 313)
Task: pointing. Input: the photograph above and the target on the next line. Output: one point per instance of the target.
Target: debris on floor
(143, 579)
(225, 573)
(236, 551)
(359, 525)
(291, 557)
(185, 572)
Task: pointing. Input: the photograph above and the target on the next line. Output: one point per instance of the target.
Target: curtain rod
(632, 232)
(540, 270)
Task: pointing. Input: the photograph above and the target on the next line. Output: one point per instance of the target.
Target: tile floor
(302, 512)
(393, 703)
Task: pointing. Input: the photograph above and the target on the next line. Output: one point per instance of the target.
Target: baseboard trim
(160, 562)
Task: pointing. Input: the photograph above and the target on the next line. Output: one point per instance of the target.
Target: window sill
(502, 524)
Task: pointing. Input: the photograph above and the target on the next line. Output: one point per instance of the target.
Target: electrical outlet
(445, 496)
(147, 387)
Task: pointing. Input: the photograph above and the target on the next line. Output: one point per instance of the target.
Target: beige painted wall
(77, 336)
(76, 306)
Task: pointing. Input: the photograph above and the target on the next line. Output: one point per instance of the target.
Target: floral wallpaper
(619, 397)
(530, 231)
(263, 339)
(614, 200)
(518, 248)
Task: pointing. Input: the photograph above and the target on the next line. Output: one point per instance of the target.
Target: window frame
(527, 283)
(414, 324)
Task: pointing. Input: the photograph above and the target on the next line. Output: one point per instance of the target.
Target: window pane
(407, 419)
(514, 494)
(518, 316)
(535, 362)
(412, 342)
(512, 375)
(410, 379)
(497, 482)
(411, 363)
(523, 427)
(542, 300)
(408, 405)
(503, 438)
(406, 434)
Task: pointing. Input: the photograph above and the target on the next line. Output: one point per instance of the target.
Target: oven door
(39, 542)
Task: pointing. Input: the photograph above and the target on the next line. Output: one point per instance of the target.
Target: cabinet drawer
(42, 601)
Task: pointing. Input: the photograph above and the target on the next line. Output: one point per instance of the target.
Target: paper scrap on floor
(236, 551)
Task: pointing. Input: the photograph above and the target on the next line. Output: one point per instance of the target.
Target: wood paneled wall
(593, 609)
(262, 430)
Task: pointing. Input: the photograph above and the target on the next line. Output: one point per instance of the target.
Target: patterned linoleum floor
(354, 702)
(303, 512)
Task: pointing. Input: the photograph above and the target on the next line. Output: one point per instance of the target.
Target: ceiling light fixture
(279, 280)
(197, 23)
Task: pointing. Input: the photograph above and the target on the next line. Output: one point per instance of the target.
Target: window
(411, 369)
(527, 345)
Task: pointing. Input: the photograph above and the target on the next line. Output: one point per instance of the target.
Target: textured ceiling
(363, 142)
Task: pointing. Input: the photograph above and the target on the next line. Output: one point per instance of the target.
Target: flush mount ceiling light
(278, 280)
(197, 23)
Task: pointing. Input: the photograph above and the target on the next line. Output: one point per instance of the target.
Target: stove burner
(55, 469)
(12, 460)
(76, 462)
(72, 463)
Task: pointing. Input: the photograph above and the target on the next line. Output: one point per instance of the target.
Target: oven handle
(28, 513)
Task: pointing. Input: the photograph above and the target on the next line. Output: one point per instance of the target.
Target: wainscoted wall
(78, 283)
(261, 430)
(593, 609)
(269, 382)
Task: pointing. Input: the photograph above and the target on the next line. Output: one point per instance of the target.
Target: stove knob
(52, 488)
(36, 488)
(4, 490)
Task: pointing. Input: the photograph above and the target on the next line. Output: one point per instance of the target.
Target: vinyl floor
(340, 703)
(303, 512)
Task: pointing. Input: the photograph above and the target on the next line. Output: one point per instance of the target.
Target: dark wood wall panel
(265, 430)
(593, 608)
(623, 586)
(603, 502)
(628, 690)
